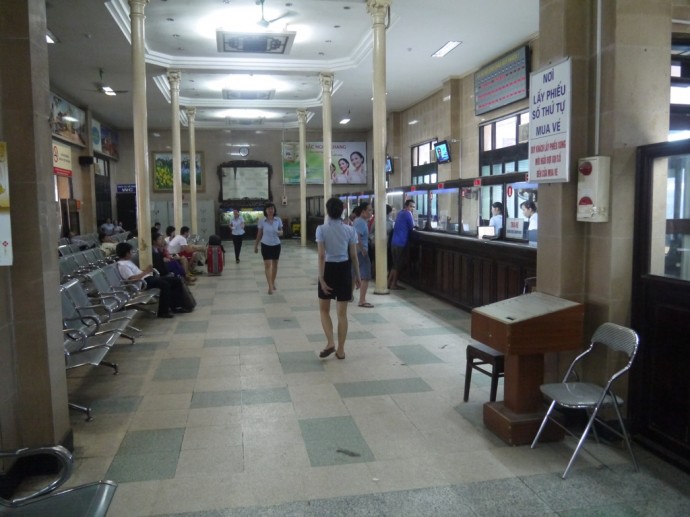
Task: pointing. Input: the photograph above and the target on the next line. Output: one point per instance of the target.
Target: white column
(378, 10)
(191, 116)
(326, 91)
(140, 131)
(302, 119)
(174, 80)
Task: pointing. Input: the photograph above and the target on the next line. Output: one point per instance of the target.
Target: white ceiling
(331, 36)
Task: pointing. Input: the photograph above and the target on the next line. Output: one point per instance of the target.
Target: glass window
(503, 145)
(490, 217)
(670, 236)
(516, 221)
(506, 132)
(444, 210)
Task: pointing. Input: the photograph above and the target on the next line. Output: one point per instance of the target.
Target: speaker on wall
(86, 160)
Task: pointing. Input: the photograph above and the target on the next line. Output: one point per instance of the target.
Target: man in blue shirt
(404, 224)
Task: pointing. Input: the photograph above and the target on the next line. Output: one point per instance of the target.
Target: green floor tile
(334, 441)
(359, 334)
(143, 467)
(191, 327)
(157, 440)
(177, 369)
(202, 399)
(257, 341)
(414, 354)
(298, 362)
(370, 318)
(216, 343)
(265, 396)
(282, 323)
(429, 331)
(383, 387)
(110, 405)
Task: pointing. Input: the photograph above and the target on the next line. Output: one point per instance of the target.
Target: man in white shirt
(178, 245)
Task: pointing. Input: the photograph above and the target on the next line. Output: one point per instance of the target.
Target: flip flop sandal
(366, 305)
(326, 352)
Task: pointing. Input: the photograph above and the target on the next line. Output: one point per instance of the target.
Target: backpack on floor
(188, 300)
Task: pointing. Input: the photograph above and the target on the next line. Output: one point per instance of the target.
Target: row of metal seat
(98, 308)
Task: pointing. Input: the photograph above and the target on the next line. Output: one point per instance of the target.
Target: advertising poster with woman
(348, 163)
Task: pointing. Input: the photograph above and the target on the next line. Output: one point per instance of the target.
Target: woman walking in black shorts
(337, 243)
(269, 234)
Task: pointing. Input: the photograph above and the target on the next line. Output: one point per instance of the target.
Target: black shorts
(270, 252)
(338, 276)
(399, 255)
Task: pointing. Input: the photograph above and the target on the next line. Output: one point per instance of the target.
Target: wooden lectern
(524, 328)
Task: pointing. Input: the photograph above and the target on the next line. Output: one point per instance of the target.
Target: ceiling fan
(103, 88)
(263, 22)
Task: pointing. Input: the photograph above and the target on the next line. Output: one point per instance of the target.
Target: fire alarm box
(593, 180)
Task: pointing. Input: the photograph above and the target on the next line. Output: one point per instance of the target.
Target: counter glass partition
(444, 210)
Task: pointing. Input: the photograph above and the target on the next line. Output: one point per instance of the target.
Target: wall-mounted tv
(442, 150)
(389, 165)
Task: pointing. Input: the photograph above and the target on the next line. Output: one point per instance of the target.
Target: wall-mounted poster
(348, 163)
(163, 172)
(105, 140)
(67, 122)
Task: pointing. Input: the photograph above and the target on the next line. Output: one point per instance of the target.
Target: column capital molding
(326, 80)
(378, 9)
(174, 79)
(302, 116)
(191, 113)
(137, 6)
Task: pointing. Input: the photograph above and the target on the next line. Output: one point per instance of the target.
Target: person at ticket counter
(496, 217)
(529, 210)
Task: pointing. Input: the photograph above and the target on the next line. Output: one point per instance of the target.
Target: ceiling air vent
(248, 95)
(265, 43)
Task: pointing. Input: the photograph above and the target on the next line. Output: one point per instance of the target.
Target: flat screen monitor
(486, 231)
(389, 165)
(442, 152)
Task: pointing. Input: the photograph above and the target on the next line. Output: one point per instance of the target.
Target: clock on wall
(244, 152)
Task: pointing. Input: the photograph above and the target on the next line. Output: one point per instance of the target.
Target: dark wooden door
(660, 384)
(127, 210)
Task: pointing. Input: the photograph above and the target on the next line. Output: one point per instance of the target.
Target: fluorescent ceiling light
(247, 114)
(70, 119)
(446, 48)
(344, 120)
(412, 122)
(108, 90)
(50, 38)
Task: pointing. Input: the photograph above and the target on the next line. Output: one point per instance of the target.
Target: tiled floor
(229, 411)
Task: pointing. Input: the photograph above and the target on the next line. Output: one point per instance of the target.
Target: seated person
(170, 235)
(108, 227)
(178, 245)
(162, 261)
(107, 244)
(171, 297)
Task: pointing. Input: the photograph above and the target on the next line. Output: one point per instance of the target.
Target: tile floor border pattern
(229, 411)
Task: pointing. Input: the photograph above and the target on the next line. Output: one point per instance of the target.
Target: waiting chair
(88, 319)
(89, 500)
(591, 397)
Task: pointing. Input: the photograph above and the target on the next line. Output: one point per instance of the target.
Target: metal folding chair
(592, 397)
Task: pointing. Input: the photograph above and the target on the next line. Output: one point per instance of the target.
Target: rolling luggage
(214, 260)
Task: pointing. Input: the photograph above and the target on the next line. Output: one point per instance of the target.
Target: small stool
(479, 355)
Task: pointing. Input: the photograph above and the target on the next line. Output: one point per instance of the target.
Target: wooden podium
(524, 328)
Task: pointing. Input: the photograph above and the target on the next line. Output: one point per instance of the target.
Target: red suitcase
(214, 260)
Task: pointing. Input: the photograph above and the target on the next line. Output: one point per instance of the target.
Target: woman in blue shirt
(269, 234)
(337, 243)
